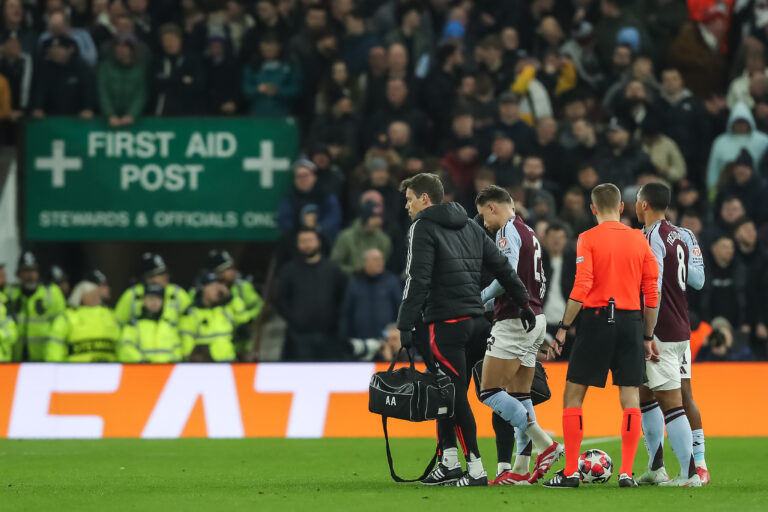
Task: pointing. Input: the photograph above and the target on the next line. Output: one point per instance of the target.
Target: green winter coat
(349, 249)
(122, 89)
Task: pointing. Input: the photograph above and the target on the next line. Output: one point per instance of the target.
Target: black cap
(745, 158)
(154, 289)
(96, 276)
(509, 97)
(619, 123)
(152, 265)
(60, 42)
(220, 260)
(205, 277)
(27, 260)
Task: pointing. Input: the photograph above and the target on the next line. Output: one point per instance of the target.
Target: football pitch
(330, 474)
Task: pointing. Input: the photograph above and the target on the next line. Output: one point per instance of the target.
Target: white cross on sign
(267, 164)
(58, 163)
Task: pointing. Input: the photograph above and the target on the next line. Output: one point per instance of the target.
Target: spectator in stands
(329, 175)
(315, 68)
(575, 213)
(559, 263)
(178, 78)
(411, 35)
(310, 293)
(739, 180)
(16, 66)
(684, 121)
(504, 161)
(236, 23)
(697, 52)
(586, 143)
(372, 299)
(374, 81)
(739, 88)
(122, 84)
(224, 77)
(338, 126)
(740, 134)
(622, 160)
(398, 108)
(510, 123)
(58, 25)
(106, 23)
(374, 175)
(338, 79)
(15, 26)
(539, 190)
(439, 98)
(535, 102)
(490, 59)
(272, 85)
(616, 20)
(730, 213)
(461, 158)
(64, 85)
(364, 233)
(662, 151)
(724, 291)
(718, 346)
(356, 43)
(552, 153)
(300, 46)
(145, 27)
(126, 27)
(307, 192)
(754, 254)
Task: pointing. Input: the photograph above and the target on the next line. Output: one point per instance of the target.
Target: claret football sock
(573, 433)
(681, 439)
(653, 433)
(630, 436)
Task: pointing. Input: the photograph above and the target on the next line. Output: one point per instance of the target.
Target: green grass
(328, 474)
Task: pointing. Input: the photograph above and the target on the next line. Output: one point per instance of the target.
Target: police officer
(8, 334)
(34, 305)
(61, 279)
(153, 269)
(208, 327)
(98, 278)
(86, 332)
(151, 338)
(224, 266)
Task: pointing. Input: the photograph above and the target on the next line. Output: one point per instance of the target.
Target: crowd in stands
(545, 98)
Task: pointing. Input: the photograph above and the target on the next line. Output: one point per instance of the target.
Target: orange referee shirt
(613, 260)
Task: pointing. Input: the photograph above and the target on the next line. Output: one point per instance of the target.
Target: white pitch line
(598, 440)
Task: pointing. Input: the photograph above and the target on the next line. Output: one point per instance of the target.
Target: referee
(446, 254)
(614, 264)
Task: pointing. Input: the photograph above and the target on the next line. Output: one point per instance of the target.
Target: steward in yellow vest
(151, 338)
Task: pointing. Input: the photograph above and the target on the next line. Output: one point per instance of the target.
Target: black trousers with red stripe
(456, 346)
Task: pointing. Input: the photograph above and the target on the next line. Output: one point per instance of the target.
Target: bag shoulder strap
(389, 458)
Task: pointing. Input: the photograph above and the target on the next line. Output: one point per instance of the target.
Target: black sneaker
(626, 481)
(468, 481)
(560, 481)
(442, 474)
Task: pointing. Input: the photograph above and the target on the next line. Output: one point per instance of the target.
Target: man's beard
(311, 254)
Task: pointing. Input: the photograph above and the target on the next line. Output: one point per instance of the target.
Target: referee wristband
(561, 325)
(648, 338)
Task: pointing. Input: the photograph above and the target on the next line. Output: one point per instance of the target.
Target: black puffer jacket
(446, 255)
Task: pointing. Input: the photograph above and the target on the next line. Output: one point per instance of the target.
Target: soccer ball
(595, 467)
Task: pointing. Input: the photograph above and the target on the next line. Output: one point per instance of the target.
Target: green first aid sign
(161, 179)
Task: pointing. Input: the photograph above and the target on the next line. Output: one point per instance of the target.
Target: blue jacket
(329, 211)
(370, 303)
(727, 146)
(284, 75)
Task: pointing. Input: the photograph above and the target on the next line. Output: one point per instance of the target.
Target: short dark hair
(493, 193)
(557, 226)
(657, 195)
(425, 183)
(606, 196)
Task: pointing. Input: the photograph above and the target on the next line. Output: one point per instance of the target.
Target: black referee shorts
(601, 346)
